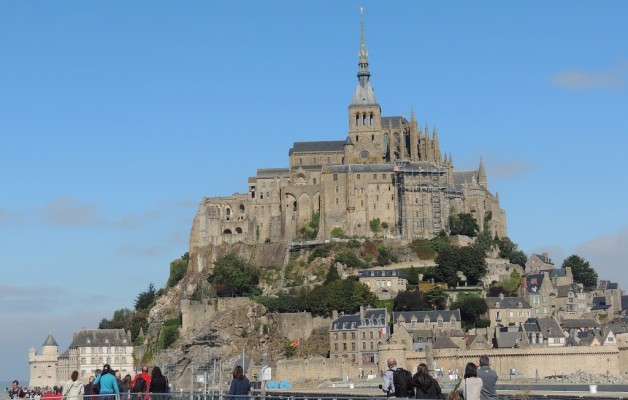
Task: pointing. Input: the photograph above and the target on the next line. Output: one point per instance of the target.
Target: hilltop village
(363, 248)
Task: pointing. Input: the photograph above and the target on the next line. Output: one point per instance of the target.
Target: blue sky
(118, 117)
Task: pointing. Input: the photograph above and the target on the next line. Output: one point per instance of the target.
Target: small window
(335, 177)
(357, 176)
(314, 181)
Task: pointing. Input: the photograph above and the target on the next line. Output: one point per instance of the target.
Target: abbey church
(386, 168)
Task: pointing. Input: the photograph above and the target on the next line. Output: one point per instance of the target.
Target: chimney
(501, 295)
(334, 315)
(362, 312)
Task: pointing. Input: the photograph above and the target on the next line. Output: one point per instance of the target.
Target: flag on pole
(295, 343)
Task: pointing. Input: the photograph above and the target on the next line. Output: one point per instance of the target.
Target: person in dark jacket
(489, 378)
(240, 385)
(158, 384)
(425, 386)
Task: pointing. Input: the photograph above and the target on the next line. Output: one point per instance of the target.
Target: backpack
(139, 386)
(401, 381)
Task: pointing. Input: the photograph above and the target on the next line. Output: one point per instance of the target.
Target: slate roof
(618, 327)
(432, 315)
(100, 338)
(372, 317)
(608, 285)
(363, 95)
(508, 339)
(50, 341)
(394, 121)
(555, 272)
(444, 342)
(335, 146)
(579, 323)
(272, 172)
(599, 303)
(543, 259)
(507, 302)
(377, 273)
(563, 290)
(547, 326)
(464, 178)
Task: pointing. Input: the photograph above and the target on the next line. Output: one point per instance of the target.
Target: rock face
(592, 379)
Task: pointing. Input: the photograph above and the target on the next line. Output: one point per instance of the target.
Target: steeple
(363, 63)
(482, 173)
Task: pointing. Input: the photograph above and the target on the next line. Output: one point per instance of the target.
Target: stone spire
(482, 173)
(364, 94)
(437, 155)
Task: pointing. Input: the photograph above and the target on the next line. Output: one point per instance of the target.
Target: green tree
(178, 268)
(332, 275)
(582, 271)
(234, 276)
(436, 299)
(518, 257)
(469, 260)
(376, 226)
(471, 307)
(463, 224)
(423, 249)
(410, 300)
(338, 232)
(145, 299)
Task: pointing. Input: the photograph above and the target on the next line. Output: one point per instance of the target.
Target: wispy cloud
(510, 168)
(575, 79)
(8, 217)
(608, 254)
(147, 251)
(134, 221)
(65, 211)
(181, 203)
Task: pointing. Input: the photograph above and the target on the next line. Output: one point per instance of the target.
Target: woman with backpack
(425, 386)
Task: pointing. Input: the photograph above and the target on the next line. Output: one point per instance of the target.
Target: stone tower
(43, 368)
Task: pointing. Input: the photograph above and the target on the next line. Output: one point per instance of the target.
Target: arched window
(241, 208)
(227, 232)
(238, 230)
(364, 119)
(357, 119)
(371, 119)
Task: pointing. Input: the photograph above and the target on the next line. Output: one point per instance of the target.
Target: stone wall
(195, 314)
(299, 325)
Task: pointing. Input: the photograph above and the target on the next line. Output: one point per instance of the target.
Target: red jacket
(146, 379)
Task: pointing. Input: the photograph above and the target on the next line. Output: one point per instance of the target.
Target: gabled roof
(465, 178)
(420, 316)
(335, 146)
(563, 290)
(100, 338)
(547, 326)
(556, 272)
(507, 302)
(444, 342)
(508, 339)
(543, 258)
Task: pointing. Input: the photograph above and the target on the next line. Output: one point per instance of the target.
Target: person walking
(16, 391)
(471, 385)
(240, 385)
(73, 389)
(158, 384)
(489, 378)
(108, 385)
(426, 386)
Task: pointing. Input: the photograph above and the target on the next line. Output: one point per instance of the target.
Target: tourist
(125, 389)
(146, 377)
(16, 391)
(87, 389)
(388, 386)
(489, 378)
(73, 389)
(108, 386)
(426, 386)
(240, 385)
(158, 384)
(471, 385)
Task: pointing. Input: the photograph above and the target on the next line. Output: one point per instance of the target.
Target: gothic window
(371, 119)
(364, 119)
(241, 208)
(357, 119)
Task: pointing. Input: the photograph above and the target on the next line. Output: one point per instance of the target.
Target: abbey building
(386, 168)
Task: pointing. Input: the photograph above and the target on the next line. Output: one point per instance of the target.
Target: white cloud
(608, 254)
(64, 211)
(574, 79)
(510, 168)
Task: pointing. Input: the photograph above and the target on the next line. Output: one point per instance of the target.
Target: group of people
(477, 383)
(37, 393)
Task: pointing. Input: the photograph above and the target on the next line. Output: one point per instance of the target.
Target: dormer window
(497, 304)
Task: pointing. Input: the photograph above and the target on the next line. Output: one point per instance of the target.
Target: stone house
(538, 290)
(538, 262)
(507, 311)
(384, 283)
(432, 323)
(356, 337)
(571, 302)
(543, 331)
(606, 300)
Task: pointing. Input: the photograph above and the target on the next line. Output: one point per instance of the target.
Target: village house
(507, 311)
(384, 283)
(356, 337)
